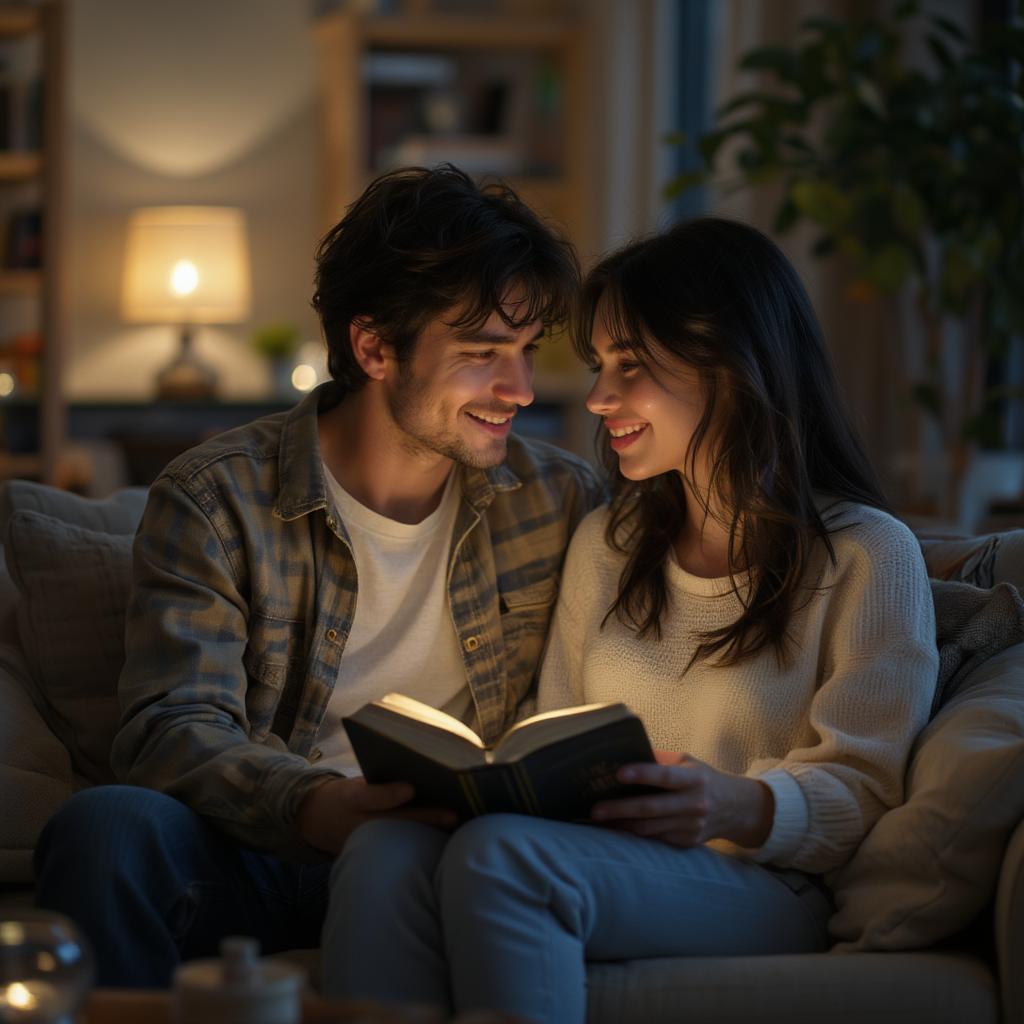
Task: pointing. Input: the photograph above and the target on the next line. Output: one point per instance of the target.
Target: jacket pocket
(275, 665)
(542, 592)
(525, 618)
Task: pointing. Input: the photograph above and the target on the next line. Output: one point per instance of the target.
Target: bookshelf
(31, 190)
(501, 92)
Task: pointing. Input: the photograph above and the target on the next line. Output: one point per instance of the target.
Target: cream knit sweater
(829, 733)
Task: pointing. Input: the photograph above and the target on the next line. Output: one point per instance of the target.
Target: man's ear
(371, 353)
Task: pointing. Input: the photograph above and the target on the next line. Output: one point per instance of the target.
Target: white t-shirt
(402, 638)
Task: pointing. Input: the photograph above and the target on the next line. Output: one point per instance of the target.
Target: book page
(549, 726)
(415, 709)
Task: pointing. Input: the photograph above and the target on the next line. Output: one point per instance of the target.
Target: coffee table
(141, 1006)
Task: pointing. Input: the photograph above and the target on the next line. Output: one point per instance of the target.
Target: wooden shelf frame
(17, 20)
(46, 21)
(342, 39)
(16, 165)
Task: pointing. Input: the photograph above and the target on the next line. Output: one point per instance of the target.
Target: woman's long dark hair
(722, 298)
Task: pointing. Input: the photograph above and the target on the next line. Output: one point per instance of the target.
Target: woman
(747, 594)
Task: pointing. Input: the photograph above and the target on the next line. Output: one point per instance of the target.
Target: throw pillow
(74, 584)
(930, 866)
(118, 513)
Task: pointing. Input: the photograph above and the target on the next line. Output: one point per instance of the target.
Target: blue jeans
(150, 883)
(504, 913)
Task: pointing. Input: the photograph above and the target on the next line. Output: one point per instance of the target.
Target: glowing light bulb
(304, 377)
(6, 385)
(19, 996)
(184, 277)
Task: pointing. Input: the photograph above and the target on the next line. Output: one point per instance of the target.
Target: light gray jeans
(504, 913)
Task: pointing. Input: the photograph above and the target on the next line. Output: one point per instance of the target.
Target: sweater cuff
(789, 825)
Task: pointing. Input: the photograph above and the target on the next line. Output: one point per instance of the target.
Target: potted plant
(277, 343)
(913, 172)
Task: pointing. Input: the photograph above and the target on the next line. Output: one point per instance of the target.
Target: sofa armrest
(1009, 924)
(35, 769)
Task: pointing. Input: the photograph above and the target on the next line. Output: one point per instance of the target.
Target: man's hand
(699, 803)
(334, 808)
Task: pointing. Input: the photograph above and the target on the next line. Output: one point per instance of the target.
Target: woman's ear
(371, 353)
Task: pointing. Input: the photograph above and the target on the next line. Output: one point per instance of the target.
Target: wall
(194, 102)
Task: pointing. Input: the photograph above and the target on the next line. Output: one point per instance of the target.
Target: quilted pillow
(929, 867)
(74, 584)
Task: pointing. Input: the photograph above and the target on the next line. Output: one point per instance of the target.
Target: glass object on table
(46, 968)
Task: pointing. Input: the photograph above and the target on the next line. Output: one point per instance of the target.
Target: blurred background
(210, 144)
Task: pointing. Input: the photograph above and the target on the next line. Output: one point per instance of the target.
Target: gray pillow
(74, 584)
(118, 513)
(930, 866)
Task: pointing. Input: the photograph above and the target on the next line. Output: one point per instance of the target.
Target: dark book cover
(562, 779)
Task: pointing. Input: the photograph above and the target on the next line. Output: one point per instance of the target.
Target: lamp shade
(186, 264)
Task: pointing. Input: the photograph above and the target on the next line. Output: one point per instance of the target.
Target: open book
(555, 765)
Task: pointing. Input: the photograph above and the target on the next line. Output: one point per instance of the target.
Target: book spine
(531, 804)
(471, 794)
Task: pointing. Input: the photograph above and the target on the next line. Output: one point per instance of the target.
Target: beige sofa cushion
(930, 866)
(74, 584)
(35, 770)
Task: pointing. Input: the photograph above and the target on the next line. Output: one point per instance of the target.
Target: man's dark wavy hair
(722, 297)
(419, 242)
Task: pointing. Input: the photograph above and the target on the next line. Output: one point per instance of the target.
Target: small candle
(32, 1000)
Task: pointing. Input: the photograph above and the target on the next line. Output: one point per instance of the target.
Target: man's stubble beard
(408, 400)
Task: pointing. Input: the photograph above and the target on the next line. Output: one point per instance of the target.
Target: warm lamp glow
(18, 995)
(184, 277)
(186, 264)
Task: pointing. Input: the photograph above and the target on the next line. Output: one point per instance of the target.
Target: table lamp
(186, 265)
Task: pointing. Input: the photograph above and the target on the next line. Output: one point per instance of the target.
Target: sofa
(929, 922)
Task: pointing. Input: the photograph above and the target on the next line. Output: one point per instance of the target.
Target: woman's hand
(699, 803)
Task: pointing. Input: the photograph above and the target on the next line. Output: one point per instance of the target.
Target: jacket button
(471, 643)
(331, 522)
(332, 634)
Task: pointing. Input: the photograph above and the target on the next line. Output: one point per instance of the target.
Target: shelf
(20, 166)
(20, 465)
(449, 32)
(18, 21)
(20, 282)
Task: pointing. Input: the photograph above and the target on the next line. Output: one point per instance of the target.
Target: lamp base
(186, 378)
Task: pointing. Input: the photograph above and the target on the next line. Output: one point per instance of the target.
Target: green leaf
(786, 216)
(744, 99)
(823, 202)
(823, 25)
(941, 52)
(683, 183)
(950, 28)
(868, 93)
(778, 59)
(889, 267)
(710, 144)
(908, 211)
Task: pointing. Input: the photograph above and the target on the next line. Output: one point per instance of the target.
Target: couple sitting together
(738, 582)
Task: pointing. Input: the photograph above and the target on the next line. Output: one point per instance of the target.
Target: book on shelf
(23, 240)
(554, 765)
(21, 113)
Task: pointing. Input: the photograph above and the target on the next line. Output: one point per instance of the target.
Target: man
(386, 534)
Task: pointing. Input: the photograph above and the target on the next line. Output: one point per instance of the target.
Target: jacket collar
(302, 488)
